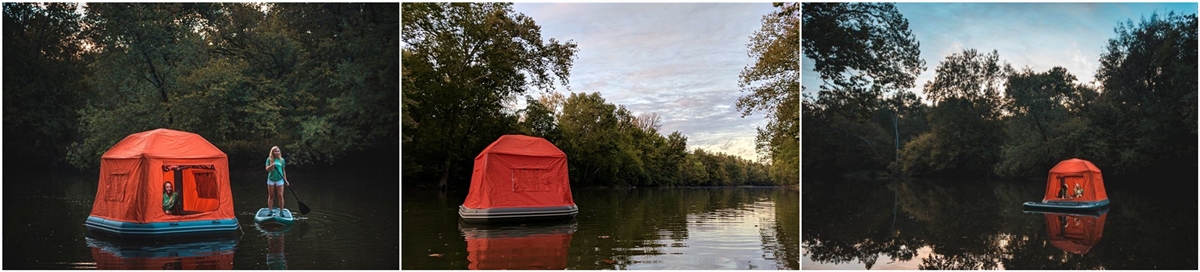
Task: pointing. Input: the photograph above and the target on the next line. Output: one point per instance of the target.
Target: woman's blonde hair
(271, 153)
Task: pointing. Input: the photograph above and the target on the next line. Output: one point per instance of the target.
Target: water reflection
(524, 246)
(276, 258)
(212, 253)
(979, 224)
(645, 228)
(1075, 233)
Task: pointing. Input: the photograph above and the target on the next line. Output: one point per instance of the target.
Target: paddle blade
(303, 208)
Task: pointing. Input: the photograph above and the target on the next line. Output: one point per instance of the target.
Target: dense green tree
(672, 154)
(693, 171)
(539, 121)
(965, 127)
(245, 76)
(871, 39)
(773, 84)
(144, 51)
(906, 117)
(1148, 74)
(1046, 122)
(44, 67)
(462, 60)
(848, 124)
(348, 70)
(589, 129)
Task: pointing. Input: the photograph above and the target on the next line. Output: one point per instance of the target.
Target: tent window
(116, 187)
(532, 180)
(206, 185)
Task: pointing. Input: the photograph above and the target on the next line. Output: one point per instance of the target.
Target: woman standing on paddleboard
(276, 179)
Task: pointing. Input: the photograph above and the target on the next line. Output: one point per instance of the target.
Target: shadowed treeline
(317, 80)
(466, 66)
(983, 117)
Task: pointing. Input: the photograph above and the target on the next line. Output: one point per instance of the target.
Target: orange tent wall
(132, 176)
(519, 171)
(1076, 172)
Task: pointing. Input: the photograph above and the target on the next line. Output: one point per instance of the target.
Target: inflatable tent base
(1066, 206)
(162, 229)
(517, 214)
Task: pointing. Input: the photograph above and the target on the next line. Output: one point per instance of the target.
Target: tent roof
(1074, 165)
(163, 143)
(522, 145)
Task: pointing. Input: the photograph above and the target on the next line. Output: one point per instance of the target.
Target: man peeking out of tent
(170, 197)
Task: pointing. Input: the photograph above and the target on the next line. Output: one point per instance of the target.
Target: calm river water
(969, 224)
(653, 228)
(353, 225)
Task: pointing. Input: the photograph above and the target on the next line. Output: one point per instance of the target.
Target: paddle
(303, 208)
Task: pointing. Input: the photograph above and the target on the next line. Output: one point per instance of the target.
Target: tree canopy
(773, 84)
(318, 80)
(465, 65)
(863, 52)
(984, 118)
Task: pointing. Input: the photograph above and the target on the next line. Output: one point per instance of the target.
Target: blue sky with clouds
(1037, 35)
(680, 60)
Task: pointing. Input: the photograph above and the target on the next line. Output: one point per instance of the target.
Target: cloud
(680, 60)
(1035, 35)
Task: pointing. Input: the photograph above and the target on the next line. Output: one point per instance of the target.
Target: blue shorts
(274, 183)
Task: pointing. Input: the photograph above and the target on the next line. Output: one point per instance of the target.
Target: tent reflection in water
(519, 178)
(1073, 185)
(518, 247)
(1075, 233)
(202, 254)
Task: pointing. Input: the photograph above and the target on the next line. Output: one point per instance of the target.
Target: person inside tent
(170, 197)
(1062, 189)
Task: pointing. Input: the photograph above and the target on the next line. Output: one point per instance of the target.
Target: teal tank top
(276, 173)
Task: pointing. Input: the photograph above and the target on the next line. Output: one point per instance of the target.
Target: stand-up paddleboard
(264, 216)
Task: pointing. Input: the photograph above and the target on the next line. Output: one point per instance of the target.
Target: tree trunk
(896, 129)
(445, 175)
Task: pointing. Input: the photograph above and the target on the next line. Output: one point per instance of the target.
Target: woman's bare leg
(279, 195)
(270, 197)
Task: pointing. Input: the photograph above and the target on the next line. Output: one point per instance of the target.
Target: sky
(679, 60)
(1036, 35)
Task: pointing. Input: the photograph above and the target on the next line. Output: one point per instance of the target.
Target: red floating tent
(519, 171)
(518, 177)
(1075, 180)
(129, 198)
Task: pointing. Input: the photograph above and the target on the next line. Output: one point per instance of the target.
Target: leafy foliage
(870, 38)
(462, 62)
(44, 67)
(861, 51)
(987, 118)
(1148, 75)
(774, 87)
(964, 122)
(1046, 125)
(245, 76)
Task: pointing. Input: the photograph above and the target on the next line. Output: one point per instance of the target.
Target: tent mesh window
(206, 184)
(116, 186)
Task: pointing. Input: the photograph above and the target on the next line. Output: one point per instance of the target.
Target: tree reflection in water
(973, 224)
